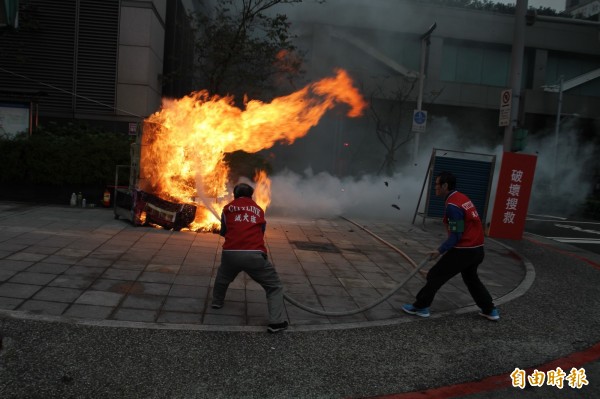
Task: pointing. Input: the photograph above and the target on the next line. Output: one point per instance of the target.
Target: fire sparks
(183, 144)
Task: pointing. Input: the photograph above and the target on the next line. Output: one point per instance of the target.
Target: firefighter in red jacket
(243, 226)
(462, 252)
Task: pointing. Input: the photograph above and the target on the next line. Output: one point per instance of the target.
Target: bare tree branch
(386, 111)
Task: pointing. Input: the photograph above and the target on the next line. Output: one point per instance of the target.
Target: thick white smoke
(563, 171)
(370, 196)
(560, 185)
(324, 195)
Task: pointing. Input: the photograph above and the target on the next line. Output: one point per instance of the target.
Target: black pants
(464, 261)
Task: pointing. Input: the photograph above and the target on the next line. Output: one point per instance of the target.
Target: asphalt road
(578, 232)
(554, 318)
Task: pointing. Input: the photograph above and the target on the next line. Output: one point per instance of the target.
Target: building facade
(112, 61)
(468, 58)
(469, 52)
(98, 61)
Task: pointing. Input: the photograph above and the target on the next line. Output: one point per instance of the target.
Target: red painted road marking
(501, 381)
(577, 360)
(581, 258)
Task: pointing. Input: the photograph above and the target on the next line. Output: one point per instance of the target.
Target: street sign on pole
(505, 106)
(419, 124)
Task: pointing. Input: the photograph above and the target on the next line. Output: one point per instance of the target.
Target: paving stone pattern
(83, 263)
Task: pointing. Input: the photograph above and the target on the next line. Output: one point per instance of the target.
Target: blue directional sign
(419, 121)
(420, 117)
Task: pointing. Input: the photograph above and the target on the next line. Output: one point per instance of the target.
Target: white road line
(576, 228)
(547, 216)
(575, 240)
(565, 220)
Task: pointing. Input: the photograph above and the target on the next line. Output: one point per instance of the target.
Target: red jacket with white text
(243, 226)
(472, 235)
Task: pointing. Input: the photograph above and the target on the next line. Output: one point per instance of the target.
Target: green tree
(245, 49)
(63, 155)
(241, 49)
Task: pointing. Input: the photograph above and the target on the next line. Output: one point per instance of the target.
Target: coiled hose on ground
(375, 303)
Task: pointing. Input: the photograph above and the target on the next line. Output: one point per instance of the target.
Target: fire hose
(364, 308)
(378, 301)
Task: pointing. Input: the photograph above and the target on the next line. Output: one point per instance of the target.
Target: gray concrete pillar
(539, 71)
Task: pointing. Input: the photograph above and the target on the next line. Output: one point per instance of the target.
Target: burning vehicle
(178, 177)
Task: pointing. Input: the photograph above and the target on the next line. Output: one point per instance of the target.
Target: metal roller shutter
(473, 178)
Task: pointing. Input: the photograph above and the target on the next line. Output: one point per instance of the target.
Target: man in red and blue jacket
(243, 226)
(462, 252)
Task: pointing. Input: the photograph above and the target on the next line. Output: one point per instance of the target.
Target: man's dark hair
(448, 178)
(243, 190)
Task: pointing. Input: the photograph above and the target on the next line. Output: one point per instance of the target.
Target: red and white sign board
(512, 195)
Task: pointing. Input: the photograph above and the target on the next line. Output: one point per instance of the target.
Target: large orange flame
(183, 144)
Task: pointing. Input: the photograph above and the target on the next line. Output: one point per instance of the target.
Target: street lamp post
(424, 45)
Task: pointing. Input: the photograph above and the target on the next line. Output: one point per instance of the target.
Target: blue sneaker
(492, 315)
(410, 309)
